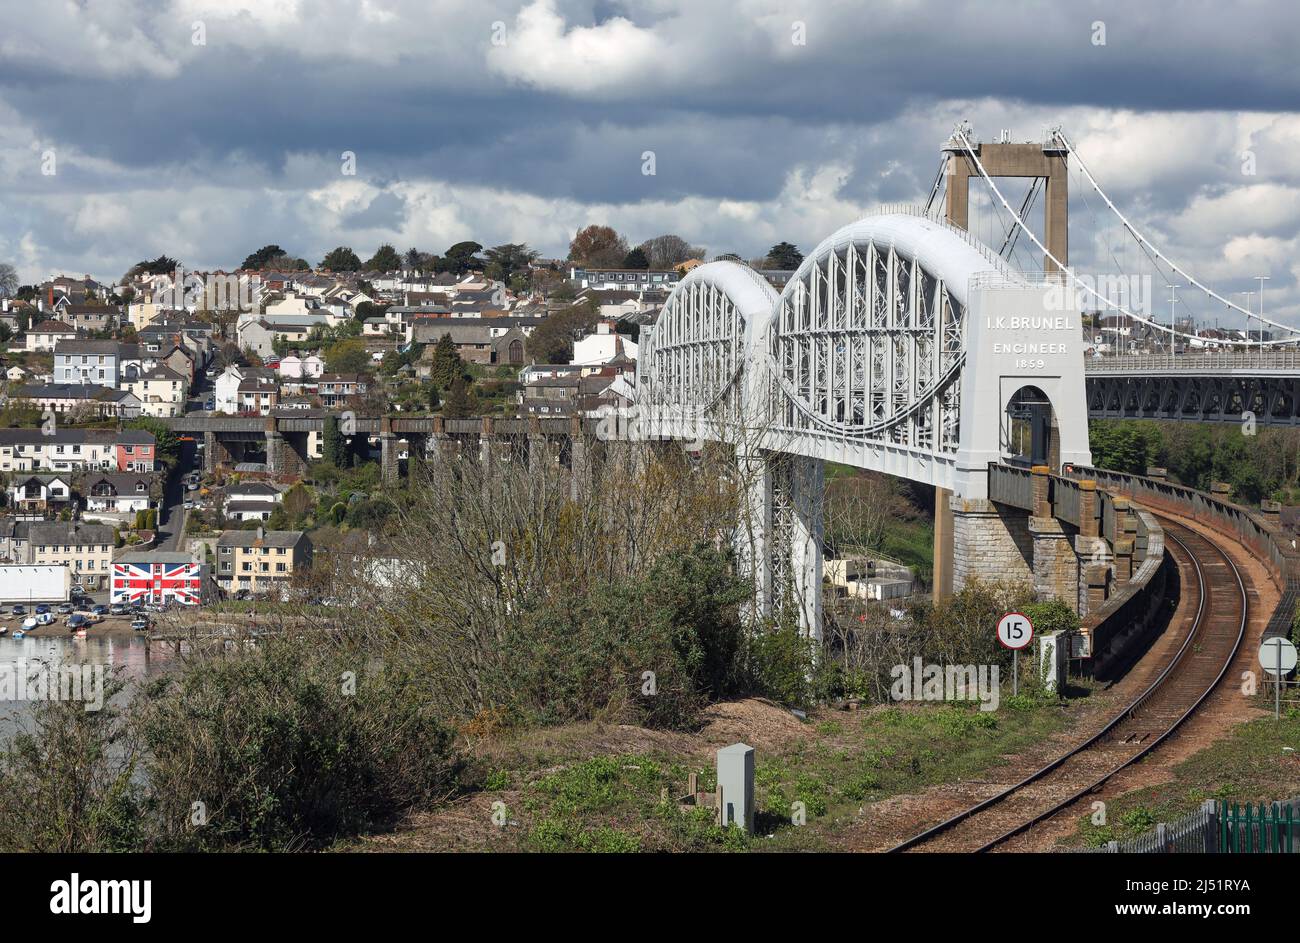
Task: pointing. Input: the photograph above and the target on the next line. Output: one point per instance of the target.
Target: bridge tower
(1046, 163)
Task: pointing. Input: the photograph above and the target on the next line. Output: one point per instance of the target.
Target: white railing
(1196, 362)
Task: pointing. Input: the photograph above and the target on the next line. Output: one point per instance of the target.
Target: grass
(888, 752)
(558, 800)
(1249, 765)
(911, 543)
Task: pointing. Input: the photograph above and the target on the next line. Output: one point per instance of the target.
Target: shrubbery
(264, 750)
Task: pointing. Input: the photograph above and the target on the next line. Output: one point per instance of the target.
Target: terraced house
(85, 549)
(261, 561)
(72, 449)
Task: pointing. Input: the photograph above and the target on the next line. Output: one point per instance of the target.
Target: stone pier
(990, 541)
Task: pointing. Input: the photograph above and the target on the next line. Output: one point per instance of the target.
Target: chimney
(261, 532)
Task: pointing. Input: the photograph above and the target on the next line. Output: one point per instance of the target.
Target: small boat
(4, 630)
(20, 634)
(30, 623)
(80, 633)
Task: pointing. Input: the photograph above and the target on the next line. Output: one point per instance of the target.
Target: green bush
(281, 755)
(574, 658)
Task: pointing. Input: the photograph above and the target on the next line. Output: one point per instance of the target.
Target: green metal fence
(1219, 827)
(1257, 830)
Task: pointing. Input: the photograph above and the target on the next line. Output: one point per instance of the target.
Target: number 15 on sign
(1015, 632)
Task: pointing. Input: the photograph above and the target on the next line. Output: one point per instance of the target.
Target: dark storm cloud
(729, 106)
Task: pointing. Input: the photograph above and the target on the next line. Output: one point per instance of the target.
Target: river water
(126, 655)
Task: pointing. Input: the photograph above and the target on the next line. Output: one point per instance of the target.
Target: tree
(552, 340)
(341, 259)
(162, 265)
(636, 259)
(411, 260)
(347, 356)
(461, 402)
(334, 446)
(783, 255)
(460, 258)
(385, 259)
(598, 247)
(668, 250)
(8, 280)
(504, 261)
(447, 364)
(259, 259)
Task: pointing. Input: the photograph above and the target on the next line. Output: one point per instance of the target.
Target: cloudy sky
(207, 128)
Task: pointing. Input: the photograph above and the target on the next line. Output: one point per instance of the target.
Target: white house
(294, 367)
(38, 493)
(226, 386)
(252, 501)
(48, 334)
(120, 493)
(161, 392)
(603, 346)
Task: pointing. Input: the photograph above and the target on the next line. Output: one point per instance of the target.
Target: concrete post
(1271, 511)
(736, 786)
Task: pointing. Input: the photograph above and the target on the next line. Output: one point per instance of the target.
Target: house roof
(101, 348)
(53, 327)
(65, 436)
(269, 538)
(71, 533)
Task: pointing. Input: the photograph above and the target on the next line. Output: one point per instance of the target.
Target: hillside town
(109, 510)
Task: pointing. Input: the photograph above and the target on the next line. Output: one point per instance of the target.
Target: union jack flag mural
(157, 583)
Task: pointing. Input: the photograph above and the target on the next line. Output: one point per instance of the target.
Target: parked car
(42, 609)
(100, 610)
(66, 608)
(117, 609)
(20, 610)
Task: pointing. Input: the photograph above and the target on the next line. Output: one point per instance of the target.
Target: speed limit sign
(1015, 631)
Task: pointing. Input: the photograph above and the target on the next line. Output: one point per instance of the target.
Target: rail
(1136, 605)
(1249, 529)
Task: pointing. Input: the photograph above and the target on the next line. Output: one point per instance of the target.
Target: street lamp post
(1262, 279)
(1173, 299)
(1247, 295)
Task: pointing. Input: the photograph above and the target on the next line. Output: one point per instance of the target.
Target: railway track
(1217, 628)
